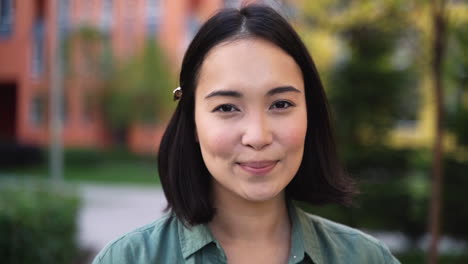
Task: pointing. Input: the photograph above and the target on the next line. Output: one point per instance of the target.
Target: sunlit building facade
(28, 31)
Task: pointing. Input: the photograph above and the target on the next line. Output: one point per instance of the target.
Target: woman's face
(251, 118)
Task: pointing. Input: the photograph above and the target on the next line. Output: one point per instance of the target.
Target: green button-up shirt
(313, 240)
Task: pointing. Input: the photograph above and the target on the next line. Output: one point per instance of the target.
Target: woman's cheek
(219, 142)
(294, 133)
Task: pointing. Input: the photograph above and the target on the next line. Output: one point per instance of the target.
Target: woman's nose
(257, 133)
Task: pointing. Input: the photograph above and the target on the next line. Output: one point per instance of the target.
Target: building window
(6, 17)
(192, 26)
(37, 111)
(106, 15)
(232, 3)
(63, 26)
(38, 40)
(38, 48)
(153, 17)
(63, 15)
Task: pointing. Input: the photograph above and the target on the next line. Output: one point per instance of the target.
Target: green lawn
(97, 168)
(115, 172)
(115, 166)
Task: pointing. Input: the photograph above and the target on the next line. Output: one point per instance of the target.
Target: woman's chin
(260, 195)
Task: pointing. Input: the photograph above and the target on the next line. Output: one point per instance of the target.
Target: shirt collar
(193, 238)
(303, 236)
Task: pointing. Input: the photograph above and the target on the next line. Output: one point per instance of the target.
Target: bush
(393, 196)
(420, 257)
(79, 157)
(454, 209)
(37, 223)
(83, 157)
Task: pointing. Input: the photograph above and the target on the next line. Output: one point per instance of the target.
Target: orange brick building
(27, 37)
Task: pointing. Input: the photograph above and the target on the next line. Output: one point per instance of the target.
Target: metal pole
(56, 101)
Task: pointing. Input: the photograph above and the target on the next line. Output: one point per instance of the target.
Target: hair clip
(177, 93)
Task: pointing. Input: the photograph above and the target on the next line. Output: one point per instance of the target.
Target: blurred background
(86, 91)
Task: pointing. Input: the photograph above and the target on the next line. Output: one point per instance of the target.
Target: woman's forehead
(247, 63)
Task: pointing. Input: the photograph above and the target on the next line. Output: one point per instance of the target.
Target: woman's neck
(238, 220)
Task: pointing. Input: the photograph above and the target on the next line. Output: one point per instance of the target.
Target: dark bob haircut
(184, 177)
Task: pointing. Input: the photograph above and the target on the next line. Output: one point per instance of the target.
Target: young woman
(251, 133)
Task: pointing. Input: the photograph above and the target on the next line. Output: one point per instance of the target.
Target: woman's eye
(281, 105)
(225, 108)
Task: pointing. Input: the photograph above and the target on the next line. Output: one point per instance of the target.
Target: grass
(103, 167)
(124, 172)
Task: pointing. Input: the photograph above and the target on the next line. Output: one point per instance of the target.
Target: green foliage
(390, 205)
(140, 90)
(373, 84)
(89, 33)
(136, 90)
(111, 166)
(94, 48)
(457, 71)
(383, 58)
(367, 89)
(395, 162)
(455, 211)
(388, 177)
(82, 157)
(418, 257)
(393, 196)
(37, 223)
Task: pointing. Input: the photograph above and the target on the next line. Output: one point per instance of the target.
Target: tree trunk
(438, 51)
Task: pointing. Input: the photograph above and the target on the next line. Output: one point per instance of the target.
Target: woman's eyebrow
(228, 93)
(282, 89)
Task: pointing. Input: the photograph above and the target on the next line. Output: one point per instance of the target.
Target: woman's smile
(262, 167)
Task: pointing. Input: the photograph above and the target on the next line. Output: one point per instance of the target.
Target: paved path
(111, 211)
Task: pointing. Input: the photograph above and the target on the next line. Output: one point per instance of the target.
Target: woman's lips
(258, 167)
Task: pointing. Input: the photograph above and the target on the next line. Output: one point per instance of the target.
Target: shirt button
(294, 256)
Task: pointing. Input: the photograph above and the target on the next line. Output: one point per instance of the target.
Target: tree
(368, 83)
(140, 90)
(134, 90)
(367, 89)
(369, 31)
(438, 55)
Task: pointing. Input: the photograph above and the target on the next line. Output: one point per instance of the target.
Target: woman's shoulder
(333, 228)
(346, 243)
(142, 245)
